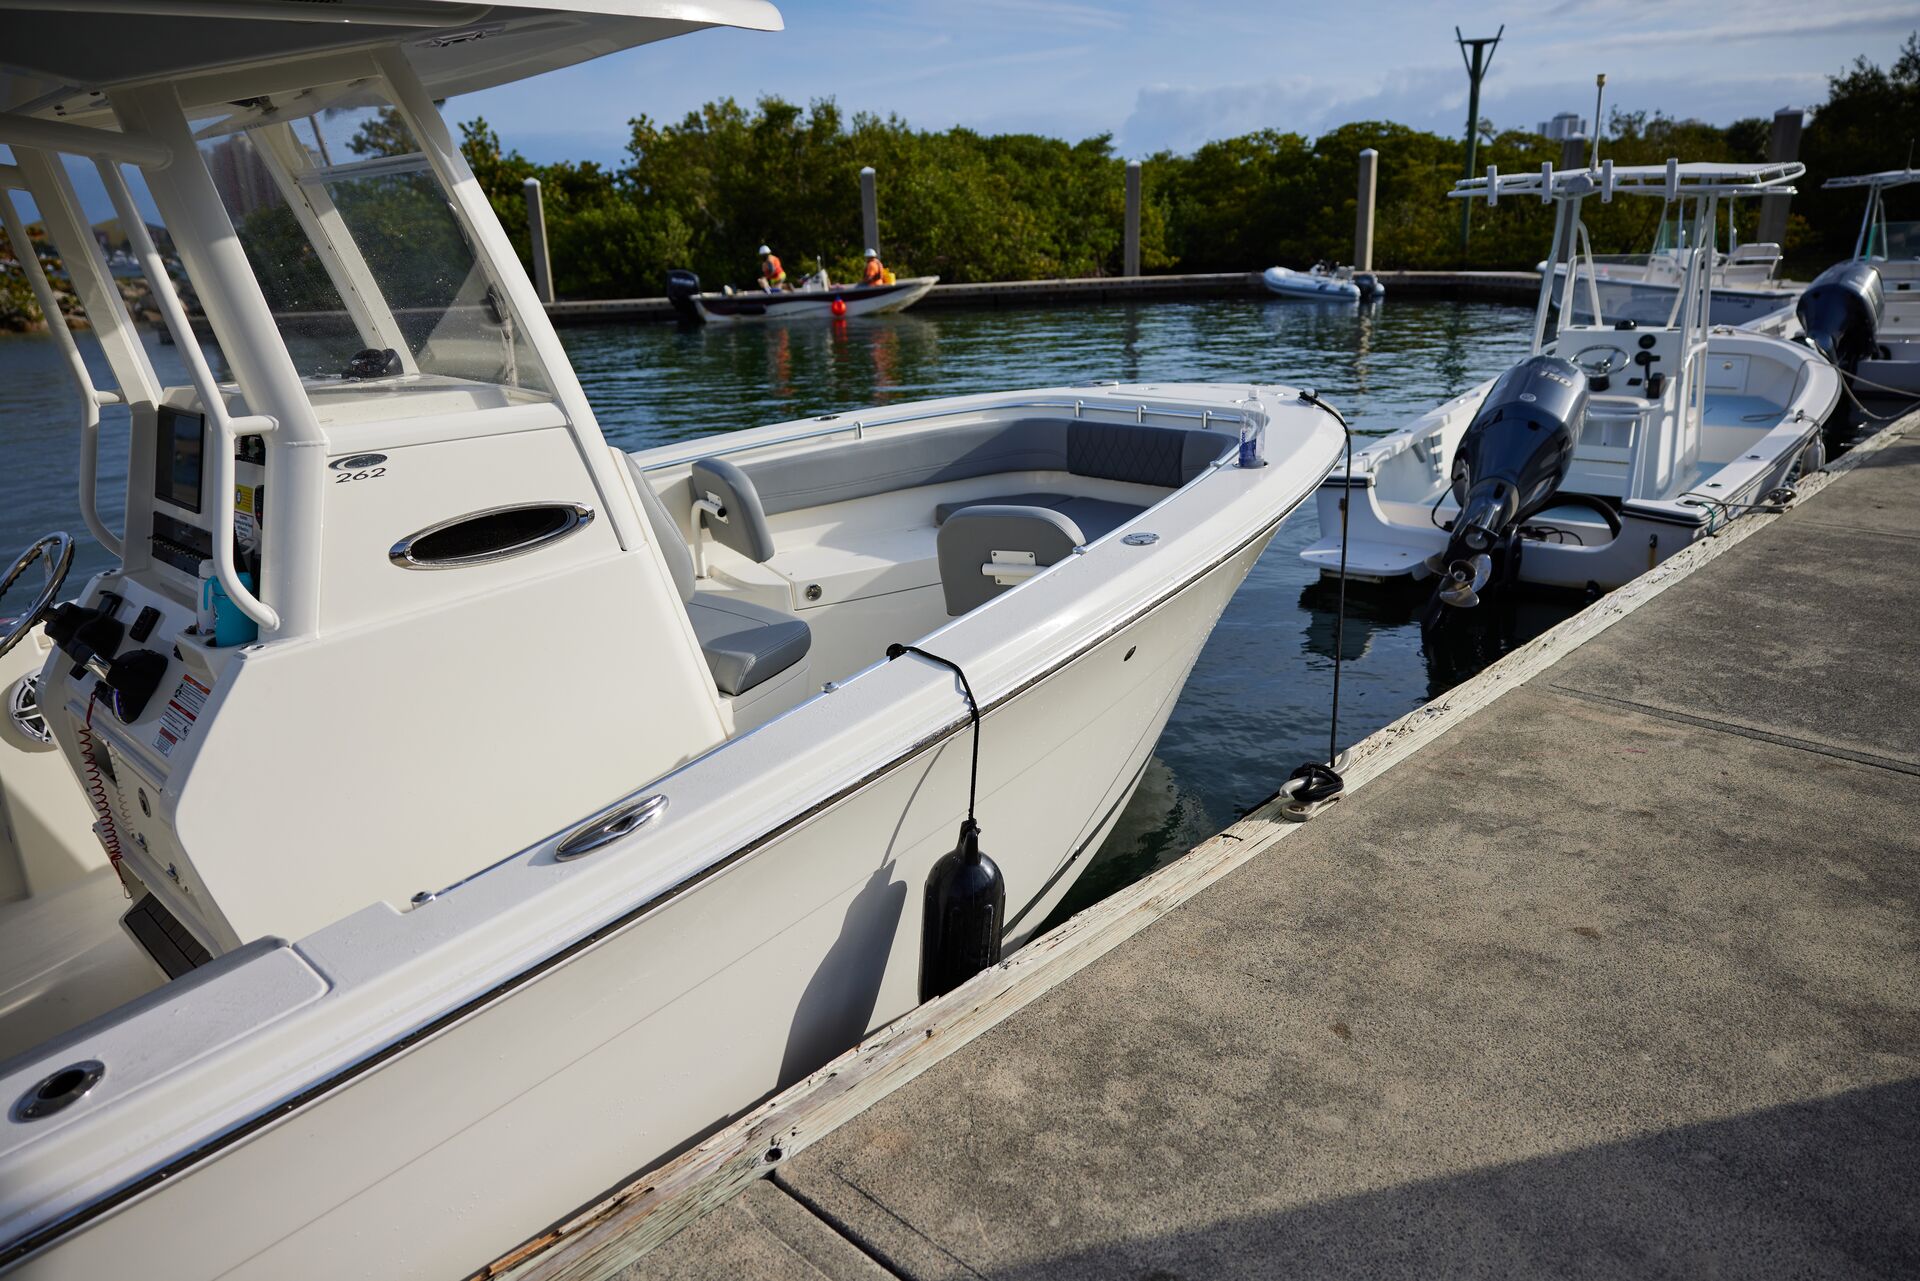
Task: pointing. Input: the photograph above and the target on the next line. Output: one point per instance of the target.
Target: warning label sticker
(243, 522)
(183, 708)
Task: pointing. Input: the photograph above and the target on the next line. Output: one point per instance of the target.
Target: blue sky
(1175, 73)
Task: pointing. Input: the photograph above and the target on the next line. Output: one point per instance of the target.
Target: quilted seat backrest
(1165, 456)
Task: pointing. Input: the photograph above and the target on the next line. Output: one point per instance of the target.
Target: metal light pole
(1480, 59)
(1599, 92)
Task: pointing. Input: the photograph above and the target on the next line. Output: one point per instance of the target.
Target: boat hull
(624, 1051)
(812, 304)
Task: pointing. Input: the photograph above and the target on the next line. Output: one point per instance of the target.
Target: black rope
(973, 708)
(1340, 617)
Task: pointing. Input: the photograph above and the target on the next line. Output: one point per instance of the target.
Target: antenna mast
(1478, 61)
(1599, 92)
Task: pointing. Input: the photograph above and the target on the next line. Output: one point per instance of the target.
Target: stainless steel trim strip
(578, 517)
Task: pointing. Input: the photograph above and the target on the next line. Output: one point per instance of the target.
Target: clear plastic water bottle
(1253, 430)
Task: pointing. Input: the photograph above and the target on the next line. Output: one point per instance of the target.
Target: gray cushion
(1165, 456)
(673, 544)
(744, 527)
(971, 536)
(746, 644)
(1095, 517)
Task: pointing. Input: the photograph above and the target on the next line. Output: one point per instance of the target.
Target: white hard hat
(872, 254)
(765, 250)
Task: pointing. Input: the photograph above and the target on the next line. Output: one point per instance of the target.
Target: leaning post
(1783, 144)
(1131, 265)
(1363, 210)
(537, 238)
(869, 210)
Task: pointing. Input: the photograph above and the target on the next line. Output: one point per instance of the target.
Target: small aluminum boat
(812, 301)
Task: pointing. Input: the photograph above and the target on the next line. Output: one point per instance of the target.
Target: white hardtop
(63, 60)
(1884, 179)
(1674, 180)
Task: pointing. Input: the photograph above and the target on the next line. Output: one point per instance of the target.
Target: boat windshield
(372, 278)
(1894, 240)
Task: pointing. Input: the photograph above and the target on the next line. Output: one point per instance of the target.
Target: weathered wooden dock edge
(621, 1228)
(1517, 287)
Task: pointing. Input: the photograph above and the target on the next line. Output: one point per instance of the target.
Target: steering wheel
(1598, 362)
(57, 550)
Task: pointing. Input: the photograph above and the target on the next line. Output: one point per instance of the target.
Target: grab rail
(227, 428)
(91, 397)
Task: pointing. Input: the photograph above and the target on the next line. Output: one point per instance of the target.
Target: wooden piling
(869, 210)
(1363, 210)
(1131, 267)
(537, 236)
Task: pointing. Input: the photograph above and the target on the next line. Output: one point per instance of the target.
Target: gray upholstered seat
(1095, 517)
(745, 644)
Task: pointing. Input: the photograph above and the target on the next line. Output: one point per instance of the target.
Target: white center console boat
(434, 815)
(1611, 447)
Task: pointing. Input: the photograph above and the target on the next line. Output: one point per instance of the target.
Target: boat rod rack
(858, 426)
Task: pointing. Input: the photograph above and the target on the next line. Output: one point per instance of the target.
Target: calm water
(1257, 702)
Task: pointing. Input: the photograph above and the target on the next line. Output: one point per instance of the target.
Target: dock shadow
(1829, 1187)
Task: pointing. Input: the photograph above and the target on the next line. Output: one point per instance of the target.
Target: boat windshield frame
(1874, 228)
(1695, 190)
(261, 392)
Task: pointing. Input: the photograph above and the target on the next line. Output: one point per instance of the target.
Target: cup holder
(55, 1092)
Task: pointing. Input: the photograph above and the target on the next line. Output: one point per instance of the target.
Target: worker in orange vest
(772, 274)
(875, 273)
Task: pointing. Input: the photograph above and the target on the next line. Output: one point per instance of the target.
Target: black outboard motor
(1841, 312)
(1368, 284)
(1512, 459)
(682, 286)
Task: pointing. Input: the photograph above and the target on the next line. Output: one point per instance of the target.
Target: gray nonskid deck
(1616, 978)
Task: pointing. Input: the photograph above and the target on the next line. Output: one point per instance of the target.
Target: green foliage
(706, 192)
(1870, 123)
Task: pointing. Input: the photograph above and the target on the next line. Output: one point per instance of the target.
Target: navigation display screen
(180, 458)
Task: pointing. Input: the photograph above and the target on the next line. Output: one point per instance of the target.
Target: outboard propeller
(1463, 581)
(1510, 462)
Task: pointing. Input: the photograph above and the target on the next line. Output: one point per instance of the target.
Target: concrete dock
(1490, 286)
(1618, 976)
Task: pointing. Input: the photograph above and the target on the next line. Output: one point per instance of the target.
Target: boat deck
(1734, 409)
(1617, 976)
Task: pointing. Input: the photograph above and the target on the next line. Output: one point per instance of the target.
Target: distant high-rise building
(1564, 125)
